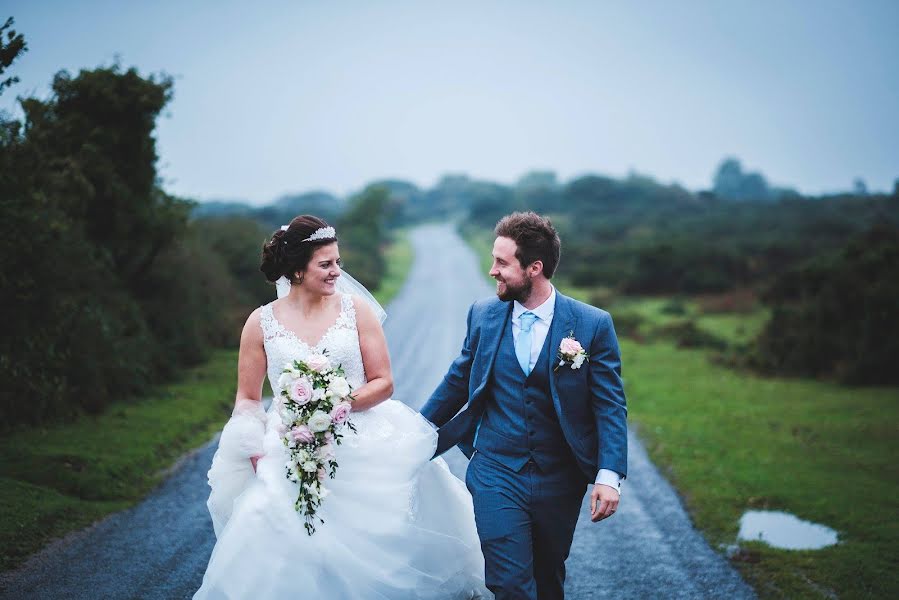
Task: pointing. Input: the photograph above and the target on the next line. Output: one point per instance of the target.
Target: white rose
(302, 456)
(317, 394)
(310, 466)
(339, 387)
(284, 380)
(287, 414)
(318, 363)
(319, 421)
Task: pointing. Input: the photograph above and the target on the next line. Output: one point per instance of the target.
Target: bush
(687, 334)
(675, 307)
(837, 315)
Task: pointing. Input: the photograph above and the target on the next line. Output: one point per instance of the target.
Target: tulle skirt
(397, 525)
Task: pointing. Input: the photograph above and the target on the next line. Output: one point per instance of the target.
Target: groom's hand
(603, 502)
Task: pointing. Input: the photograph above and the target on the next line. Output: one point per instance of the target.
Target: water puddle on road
(783, 530)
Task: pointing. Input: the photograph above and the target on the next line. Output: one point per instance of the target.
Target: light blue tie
(523, 343)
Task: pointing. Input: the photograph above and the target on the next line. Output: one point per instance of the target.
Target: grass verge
(399, 256)
(62, 477)
(730, 442)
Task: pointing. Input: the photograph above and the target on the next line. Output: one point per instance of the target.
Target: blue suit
(540, 438)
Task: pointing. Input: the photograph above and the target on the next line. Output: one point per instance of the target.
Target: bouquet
(315, 404)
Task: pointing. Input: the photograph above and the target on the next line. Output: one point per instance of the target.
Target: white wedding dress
(397, 524)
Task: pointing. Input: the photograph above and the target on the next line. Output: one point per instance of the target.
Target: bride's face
(323, 270)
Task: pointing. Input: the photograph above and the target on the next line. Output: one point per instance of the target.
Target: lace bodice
(340, 343)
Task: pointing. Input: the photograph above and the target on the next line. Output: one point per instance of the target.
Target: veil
(345, 284)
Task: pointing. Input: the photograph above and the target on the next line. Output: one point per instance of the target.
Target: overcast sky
(283, 96)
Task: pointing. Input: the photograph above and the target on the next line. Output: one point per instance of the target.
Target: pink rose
(318, 363)
(329, 438)
(570, 347)
(325, 452)
(341, 412)
(302, 434)
(301, 390)
(322, 475)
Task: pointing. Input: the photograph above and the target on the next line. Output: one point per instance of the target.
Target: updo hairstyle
(286, 253)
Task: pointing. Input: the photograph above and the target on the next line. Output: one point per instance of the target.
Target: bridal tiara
(322, 233)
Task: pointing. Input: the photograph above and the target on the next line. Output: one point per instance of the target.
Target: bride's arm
(251, 366)
(241, 442)
(375, 359)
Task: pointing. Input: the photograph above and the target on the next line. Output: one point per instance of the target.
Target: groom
(541, 419)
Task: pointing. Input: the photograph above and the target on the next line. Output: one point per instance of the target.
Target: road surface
(159, 549)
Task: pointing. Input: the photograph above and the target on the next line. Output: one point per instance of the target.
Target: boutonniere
(570, 353)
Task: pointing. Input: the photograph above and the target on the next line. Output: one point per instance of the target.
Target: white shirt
(539, 330)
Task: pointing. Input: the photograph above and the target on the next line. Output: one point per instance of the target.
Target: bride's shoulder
(252, 329)
(256, 315)
(365, 315)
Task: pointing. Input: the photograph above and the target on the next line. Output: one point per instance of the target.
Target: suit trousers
(526, 522)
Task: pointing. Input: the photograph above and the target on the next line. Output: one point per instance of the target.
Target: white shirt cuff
(610, 478)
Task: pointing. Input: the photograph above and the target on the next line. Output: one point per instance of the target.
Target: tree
(362, 234)
(104, 288)
(732, 183)
(10, 49)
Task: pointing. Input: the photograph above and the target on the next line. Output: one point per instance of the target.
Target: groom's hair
(535, 237)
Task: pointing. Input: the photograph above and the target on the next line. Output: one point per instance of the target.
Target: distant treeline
(827, 266)
(109, 284)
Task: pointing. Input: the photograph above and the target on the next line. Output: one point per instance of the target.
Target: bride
(396, 524)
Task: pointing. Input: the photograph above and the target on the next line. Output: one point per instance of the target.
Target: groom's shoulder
(484, 306)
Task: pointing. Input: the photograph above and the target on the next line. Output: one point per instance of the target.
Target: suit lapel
(563, 323)
(491, 333)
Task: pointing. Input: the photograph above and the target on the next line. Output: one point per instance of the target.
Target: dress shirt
(539, 330)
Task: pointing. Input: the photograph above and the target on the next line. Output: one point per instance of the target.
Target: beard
(519, 292)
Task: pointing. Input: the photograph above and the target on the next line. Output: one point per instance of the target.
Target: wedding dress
(397, 525)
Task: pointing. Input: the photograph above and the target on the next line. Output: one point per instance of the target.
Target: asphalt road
(159, 549)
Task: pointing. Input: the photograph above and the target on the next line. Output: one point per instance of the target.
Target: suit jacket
(589, 401)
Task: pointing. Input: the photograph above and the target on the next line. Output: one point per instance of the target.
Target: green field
(61, 478)
(729, 442)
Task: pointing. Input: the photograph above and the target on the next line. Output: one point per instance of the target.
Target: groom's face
(512, 281)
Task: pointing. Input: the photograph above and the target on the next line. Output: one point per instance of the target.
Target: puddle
(783, 530)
